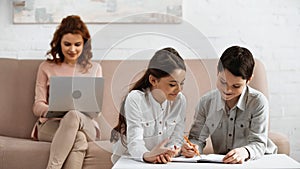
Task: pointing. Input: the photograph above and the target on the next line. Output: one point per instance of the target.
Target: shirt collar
(220, 102)
(154, 102)
(241, 104)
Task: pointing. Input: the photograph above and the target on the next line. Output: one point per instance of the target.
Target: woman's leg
(47, 130)
(63, 140)
(87, 133)
(77, 154)
(69, 139)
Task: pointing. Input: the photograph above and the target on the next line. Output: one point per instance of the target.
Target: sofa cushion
(20, 153)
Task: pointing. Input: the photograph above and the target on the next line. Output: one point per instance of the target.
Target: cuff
(251, 154)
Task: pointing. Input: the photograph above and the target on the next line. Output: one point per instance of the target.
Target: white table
(267, 161)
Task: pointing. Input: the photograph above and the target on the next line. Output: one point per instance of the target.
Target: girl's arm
(176, 138)
(135, 132)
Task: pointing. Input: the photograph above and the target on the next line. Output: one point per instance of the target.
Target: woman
(70, 55)
(152, 114)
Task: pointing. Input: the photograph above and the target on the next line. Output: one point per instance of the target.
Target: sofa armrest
(281, 141)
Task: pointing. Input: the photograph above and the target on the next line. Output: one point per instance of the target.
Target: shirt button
(242, 125)
(160, 122)
(231, 118)
(212, 125)
(160, 133)
(230, 135)
(147, 124)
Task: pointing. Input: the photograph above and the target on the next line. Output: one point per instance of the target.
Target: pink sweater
(48, 69)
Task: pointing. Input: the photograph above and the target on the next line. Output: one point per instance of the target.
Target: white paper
(210, 158)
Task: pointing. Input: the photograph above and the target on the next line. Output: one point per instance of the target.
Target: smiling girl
(151, 120)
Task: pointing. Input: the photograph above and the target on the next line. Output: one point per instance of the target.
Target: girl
(152, 114)
(70, 56)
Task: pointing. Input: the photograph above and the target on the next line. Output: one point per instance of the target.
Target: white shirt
(149, 123)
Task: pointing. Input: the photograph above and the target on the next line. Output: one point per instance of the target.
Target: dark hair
(238, 61)
(74, 25)
(162, 64)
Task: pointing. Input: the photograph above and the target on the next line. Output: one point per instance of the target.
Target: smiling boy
(234, 115)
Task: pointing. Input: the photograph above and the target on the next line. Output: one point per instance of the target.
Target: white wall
(269, 28)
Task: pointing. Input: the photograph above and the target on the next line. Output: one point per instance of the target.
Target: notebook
(210, 158)
(84, 94)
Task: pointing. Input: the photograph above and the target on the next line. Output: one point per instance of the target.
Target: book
(210, 158)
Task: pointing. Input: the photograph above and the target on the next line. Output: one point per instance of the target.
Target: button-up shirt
(244, 125)
(149, 123)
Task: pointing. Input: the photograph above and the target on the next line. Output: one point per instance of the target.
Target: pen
(191, 144)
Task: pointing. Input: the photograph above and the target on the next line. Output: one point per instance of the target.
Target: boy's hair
(238, 61)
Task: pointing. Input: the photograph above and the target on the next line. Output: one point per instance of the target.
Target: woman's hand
(236, 156)
(160, 153)
(188, 150)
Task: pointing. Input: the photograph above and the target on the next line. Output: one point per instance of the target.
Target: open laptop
(84, 94)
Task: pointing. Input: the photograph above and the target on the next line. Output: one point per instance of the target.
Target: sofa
(19, 151)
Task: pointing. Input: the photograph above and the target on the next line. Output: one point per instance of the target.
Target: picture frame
(98, 11)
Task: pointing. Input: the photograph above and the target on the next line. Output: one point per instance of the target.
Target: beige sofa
(18, 151)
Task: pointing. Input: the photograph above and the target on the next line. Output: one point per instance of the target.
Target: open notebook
(210, 158)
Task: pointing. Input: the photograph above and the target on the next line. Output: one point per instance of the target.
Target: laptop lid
(84, 94)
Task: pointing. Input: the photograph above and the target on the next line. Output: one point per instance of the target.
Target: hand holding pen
(189, 149)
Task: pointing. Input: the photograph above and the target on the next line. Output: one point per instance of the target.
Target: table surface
(267, 161)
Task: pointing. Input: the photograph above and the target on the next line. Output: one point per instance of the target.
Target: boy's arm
(199, 132)
(258, 129)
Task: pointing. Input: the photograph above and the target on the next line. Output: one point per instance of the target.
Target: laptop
(84, 94)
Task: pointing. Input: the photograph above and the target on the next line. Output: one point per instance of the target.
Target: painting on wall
(98, 11)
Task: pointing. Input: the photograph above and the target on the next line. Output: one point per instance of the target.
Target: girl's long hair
(162, 64)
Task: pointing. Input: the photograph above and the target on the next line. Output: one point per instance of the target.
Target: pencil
(191, 144)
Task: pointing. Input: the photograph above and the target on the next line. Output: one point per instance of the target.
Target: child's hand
(236, 156)
(160, 153)
(165, 158)
(177, 151)
(188, 150)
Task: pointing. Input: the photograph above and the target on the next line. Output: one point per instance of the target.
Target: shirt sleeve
(258, 131)
(40, 106)
(98, 70)
(135, 141)
(199, 131)
(177, 135)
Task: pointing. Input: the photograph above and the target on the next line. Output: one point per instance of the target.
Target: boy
(234, 115)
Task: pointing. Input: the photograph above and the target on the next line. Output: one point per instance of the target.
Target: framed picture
(98, 11)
